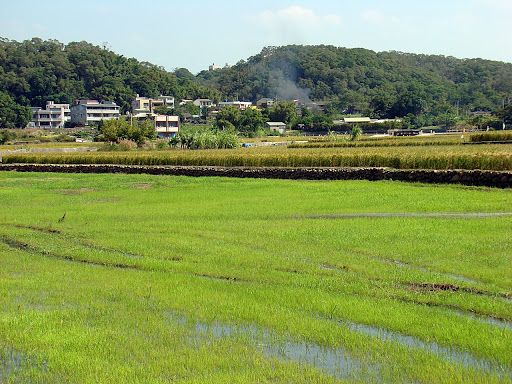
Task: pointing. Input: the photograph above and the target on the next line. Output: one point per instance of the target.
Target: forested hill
(386, 84)
(34, 71)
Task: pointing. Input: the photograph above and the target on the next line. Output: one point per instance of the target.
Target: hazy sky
(194, 34)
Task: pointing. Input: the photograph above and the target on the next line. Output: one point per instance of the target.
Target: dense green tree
(385, 84)
(251, 120)
(35, 71)
(247, 122)
(139, 131)
(283, 112)
(13, 115)
(190, 108)
(505, 114)
(229, 114)
(162, 110)
(6, 135)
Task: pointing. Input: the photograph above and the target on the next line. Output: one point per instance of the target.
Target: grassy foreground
(138, 278)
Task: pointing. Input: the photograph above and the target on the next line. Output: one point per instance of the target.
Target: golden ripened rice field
(486, 157)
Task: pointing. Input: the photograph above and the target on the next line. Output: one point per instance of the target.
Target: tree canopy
(384, 85)
(423, 89)
(35, 71)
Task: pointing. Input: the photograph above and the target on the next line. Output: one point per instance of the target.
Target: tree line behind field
(35, 71)
(425, 89)
(422, 89)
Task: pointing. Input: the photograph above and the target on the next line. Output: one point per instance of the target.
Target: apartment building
(53, 116)
(92, 112)
(145, 105)
(140, 105)
(167, 126)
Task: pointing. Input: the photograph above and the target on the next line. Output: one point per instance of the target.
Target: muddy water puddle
(333, 361)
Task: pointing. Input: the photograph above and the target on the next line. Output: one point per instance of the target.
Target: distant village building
(276, 126)
(53, 116)
(168, 101)
(239, 104)
(405, 132)
(167, 126)
(356, 120)
(315, 105)
(142, 106)
(92, 112)
(265, 102)
(364, 120)
(213, 67)
(203, 103)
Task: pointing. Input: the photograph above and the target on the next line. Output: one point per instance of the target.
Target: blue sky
(194, 34)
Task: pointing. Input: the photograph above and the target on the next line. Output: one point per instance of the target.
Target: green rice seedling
(409, 281)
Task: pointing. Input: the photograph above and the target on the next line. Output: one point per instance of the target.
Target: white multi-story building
(53, 116)
(92, 112)
(168, 101)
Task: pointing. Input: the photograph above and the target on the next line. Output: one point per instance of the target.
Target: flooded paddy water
(452, 355)
(338, 362)
(13, 362)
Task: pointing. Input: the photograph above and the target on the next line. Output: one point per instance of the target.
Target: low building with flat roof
(276, 126)
(356, 120)
(239, 104)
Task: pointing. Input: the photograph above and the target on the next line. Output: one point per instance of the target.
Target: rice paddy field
(158, 279)
(496, 157)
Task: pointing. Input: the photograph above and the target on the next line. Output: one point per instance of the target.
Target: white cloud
(374, 16)
(296, 14)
